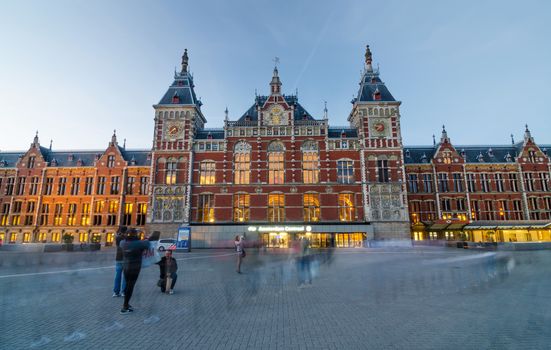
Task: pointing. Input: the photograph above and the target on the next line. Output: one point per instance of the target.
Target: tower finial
(114, 137)
(124, 144)
(368, 59)
(325, 110)
(51, 142)
(35, 140)
(444, 138)
(275, 84)
(433, 140)
(512, 139)
(185, 62)
(226, 114)
(527, 134)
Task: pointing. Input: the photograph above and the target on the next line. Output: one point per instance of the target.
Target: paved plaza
(419, 298)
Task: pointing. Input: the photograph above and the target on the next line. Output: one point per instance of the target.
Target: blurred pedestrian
(239, 248)
(168, 267)
(119, 278)
(305, 272)
(132, 248)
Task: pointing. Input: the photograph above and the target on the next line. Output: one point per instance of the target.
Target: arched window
(276, 207)
(346, 206)
(276, 163)
(310, 160)
(242, 163)
(345, 171)
(311, 206)
(207, 172)
(241, 203)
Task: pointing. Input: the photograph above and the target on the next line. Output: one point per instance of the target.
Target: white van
(166, 244)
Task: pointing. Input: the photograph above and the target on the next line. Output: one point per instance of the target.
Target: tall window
(58, 219)
(127, 214)
(529, 180)
(85, 214)
(71, 214)
(412, 183)
(346, 206)
(115, 184)
(44, 212)
(241, 211)
(310, 160)
(485, 182)
(30, 162)
(276, 163)
(9, 186)
(110, 161)
(113, 211)
(276, 207)
(21, 186)
(75, 186)
(311, 206)
(471, 183)
(427, 183)
(382, 170)
(443, 182)
(534, 208)
(88, 185)
(345, 171)
(61, 185)
(513, 182)
(171, 171)
(143, 185)
(205, 210)
(101, 185)
(130, 184)
(457, 182)
(207, 172)
(99, 207)
(34, 186)
(141, 214)
(242, 163)
(544, 182)
(499, 182)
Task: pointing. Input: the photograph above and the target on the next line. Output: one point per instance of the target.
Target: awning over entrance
(441, 225)
(507, 225)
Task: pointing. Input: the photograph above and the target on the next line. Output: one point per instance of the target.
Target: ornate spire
(36, 142)
(444, 137)
(527, 134)
(185, 62)
(275, 84)
(325, 110)
(512, 139)
(226, 114)
(368, 59)
(51, 142)
(114, 138)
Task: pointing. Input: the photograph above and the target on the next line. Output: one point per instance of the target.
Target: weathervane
(276, 61)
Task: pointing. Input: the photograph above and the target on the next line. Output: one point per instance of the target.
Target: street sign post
(183, 240)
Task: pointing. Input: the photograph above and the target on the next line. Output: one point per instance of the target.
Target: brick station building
(278, 173)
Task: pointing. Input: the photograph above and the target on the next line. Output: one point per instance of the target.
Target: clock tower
(376, 115)
(177, 117)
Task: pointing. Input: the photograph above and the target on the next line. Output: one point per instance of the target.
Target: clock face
(379, 127)
(173, 131)
(275, 116)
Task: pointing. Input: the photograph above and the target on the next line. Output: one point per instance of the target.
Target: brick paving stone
(422, 298)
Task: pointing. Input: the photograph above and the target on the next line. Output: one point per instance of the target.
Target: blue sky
(76, 70)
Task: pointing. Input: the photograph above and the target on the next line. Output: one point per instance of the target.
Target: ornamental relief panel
(168, 208)
(385, 200)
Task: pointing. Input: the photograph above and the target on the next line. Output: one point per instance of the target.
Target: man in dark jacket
(168, 267)
(132, 249)
(117, 289)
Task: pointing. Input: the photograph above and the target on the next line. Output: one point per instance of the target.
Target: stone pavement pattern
(422, 298)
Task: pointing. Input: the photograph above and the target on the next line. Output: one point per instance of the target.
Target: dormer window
(463, 154)
(304, 116)
(80, 162)
(176, 99)
(54, 162)
(180, 83)
(247, 118)
(70, 158)
(407, 153)
(424, 158)
(377, 95)
(490, 153)
(373, 80)
(480, 157)
(209, 136)
(508, 157)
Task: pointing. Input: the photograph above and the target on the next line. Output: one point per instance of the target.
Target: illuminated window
(205, 210)
(276, 163)
(276, 207)
(310, 160)
(113, 211)
(26, 237)
(207, 174)
(56, 237)
(42, 237)
(109, 238)
(71, 215)
(83, 237)
(242, 163)
(346, 206)
(171, 171)
(141, 214)
(311, 206)
(13, 237)
(345, 171)
(115, 184)
(241, 211)
(99, 207)
(58, 219)
(127, 215)
(85, 214)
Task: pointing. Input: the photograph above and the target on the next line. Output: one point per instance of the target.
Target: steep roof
(369, 85)
(337, 133)
(300, 112)
(69, 158)
(183, 88)
(471, 153)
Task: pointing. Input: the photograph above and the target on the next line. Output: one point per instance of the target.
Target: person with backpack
(133, 249)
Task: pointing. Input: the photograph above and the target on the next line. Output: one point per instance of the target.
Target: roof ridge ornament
(368, 59)
(527, 134)
(185, 62)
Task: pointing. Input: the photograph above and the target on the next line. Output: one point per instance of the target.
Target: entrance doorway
(276, 240)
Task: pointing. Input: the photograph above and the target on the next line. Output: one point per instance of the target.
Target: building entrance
(276, 240)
